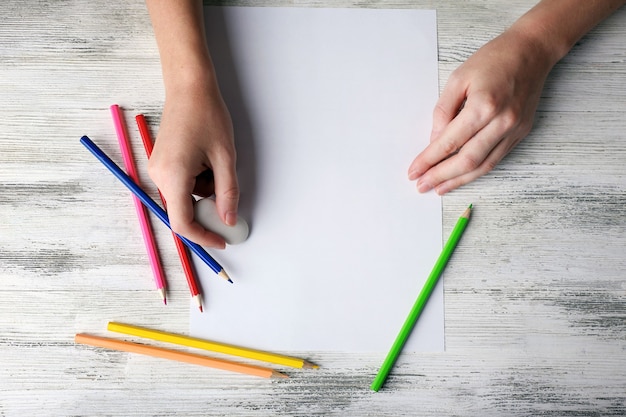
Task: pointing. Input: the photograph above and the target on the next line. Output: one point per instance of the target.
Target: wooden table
(535, 295)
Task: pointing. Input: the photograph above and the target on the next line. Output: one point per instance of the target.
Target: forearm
(556, 25)
(179, 30)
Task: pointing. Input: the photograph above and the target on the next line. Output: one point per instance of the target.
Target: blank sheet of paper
(329, 106)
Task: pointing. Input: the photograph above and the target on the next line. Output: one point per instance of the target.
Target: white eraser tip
(205, 212)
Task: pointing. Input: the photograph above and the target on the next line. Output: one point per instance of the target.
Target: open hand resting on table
(486, 109)
(489, 102)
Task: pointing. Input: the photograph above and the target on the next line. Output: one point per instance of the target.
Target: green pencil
(422, 299)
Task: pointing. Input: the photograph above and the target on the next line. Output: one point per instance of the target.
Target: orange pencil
(158, 352)
(180, 246)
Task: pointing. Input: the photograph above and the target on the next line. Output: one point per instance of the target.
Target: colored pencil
(142, 214)
(159, 352)
(151, 204)
(210, 345)
(422, 299)
(146, 138)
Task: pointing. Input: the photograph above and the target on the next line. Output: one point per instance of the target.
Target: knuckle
(470, 162)
(154, 170)
(489, 108)
(449, 147)
(454, 79)
(223, 150)
(440, 111)
(510, 118)
(179, 228)
(488, 165)
(525, 128)
(230, 193)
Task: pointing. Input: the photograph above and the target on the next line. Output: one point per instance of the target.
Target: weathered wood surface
(535, 296)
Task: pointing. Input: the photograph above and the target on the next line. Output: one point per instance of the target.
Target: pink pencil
(142, 213)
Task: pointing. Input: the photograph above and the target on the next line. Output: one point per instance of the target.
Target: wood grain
(535, 294)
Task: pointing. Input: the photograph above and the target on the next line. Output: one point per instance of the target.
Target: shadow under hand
(229, 82)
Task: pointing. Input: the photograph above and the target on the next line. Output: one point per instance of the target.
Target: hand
(196, 139)
(486, 109)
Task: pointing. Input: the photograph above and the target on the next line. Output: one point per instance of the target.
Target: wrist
(190, 76)
(539, 40)
(553, 26)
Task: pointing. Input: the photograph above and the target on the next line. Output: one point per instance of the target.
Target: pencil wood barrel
(534, 295)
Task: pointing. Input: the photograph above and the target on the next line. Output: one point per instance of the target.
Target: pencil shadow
(228, 78)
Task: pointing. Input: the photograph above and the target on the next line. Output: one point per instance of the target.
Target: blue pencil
(151, 204)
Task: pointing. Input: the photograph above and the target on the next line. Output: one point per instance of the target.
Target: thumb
(226, 191)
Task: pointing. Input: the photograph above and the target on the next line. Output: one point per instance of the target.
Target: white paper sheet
(330, 106)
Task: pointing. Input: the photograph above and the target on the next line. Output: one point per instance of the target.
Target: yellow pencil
(158, 352)
(210, 346)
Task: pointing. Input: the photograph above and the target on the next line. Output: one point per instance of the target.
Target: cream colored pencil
(158, 352)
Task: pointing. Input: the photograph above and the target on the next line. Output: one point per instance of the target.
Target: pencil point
(224, 275)
(309, 365)
(466, 214)
(162, 294)
(198, 299)
(277, 374)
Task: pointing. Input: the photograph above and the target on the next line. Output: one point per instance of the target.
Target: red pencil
(144, 131)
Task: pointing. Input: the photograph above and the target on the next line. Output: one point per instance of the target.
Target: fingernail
(415, 174)
(231, 218)
(423, 187)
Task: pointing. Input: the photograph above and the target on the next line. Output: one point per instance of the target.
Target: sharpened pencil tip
(309, 365)
(198, 300)
(470, 206)
(224, 275)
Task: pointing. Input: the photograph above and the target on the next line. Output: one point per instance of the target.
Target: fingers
(492, 159)
(180, 204)
(469, 158)
(181, 214)
(471, 145)
(477, 157)
(456, 134)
